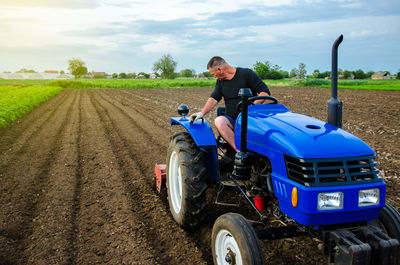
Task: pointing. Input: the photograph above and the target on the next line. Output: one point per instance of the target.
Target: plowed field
(76, 176)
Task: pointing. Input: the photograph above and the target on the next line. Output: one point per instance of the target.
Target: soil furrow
(30, 180)
(52, 227)
(152, 113)
(139, 184)
(11, 146)
(151, 135)
(108, 231)
(78, 186)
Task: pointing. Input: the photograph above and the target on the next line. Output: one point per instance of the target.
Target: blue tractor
(317, 178)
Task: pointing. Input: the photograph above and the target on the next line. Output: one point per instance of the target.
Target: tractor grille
(337, 171)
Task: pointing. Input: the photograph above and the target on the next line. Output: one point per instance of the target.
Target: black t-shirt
(229, 89)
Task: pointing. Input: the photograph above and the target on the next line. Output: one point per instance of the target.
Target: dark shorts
(232, 121)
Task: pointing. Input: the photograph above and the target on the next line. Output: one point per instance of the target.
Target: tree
(207, 74)
(301, 72)
(187, 73)
(262, 69)
(346, 74)
(122, 75)
(77, 67)
(114, 75)
(398, 75)
(266, 71)
(166, 65)
(131, 75)
(62, 72)
(23, 70)
(325, 74)
(316, 73)
(293, 72)
(359, 74)
(285, 74)
(145, 75)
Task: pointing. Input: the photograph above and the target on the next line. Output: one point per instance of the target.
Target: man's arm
(210, 104)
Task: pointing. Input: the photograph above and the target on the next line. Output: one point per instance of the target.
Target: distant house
(50, 71)
(153, 76)
(380, 75)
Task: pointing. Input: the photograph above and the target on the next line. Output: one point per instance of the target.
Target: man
(229, 81)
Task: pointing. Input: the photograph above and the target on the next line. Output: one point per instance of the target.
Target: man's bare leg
(225, 129)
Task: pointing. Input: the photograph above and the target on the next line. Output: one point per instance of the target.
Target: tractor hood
(275, 127)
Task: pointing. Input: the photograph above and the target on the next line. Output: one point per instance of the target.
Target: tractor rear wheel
(186, 180)
(234, 241)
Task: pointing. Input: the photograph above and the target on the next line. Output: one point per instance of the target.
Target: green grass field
(392, 84)
(15, 101)
(17, 97)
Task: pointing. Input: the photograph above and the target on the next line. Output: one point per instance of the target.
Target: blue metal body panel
(275, 127)
(203, 136)
(307, 212)
(274, 131)
(200, 130)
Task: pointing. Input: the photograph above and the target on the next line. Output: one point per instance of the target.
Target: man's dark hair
(215, 61)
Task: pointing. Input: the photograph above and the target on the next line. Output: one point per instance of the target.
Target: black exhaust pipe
(241, 165)
(334, 105)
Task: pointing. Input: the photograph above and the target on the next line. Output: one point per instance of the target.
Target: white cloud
(165, 44)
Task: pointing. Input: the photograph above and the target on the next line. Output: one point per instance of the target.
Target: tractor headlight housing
(330, 200)
(368, 197)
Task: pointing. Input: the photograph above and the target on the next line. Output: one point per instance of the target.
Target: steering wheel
(252, 99)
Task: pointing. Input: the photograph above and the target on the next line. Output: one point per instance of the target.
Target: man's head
(219, 68)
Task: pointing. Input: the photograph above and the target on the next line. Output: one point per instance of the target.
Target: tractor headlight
(330, 200)
(368, 197)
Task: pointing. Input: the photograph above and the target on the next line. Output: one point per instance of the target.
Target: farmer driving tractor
(229, 81)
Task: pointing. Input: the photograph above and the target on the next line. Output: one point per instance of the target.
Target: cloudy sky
(129, 36)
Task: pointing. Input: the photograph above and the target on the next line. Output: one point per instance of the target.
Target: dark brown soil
(76, 176)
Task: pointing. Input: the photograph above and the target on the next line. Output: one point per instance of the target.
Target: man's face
(217, 72)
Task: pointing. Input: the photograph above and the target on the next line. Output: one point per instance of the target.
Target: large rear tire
(186, 181)
(234, 241)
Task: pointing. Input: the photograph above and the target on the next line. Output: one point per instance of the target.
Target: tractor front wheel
(186, 180)
(389, 222)
(234, 241)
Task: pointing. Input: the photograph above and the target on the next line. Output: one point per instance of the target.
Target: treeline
(268, 71)
(165, 68)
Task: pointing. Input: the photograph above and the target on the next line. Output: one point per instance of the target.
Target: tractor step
(230, 183)
(363, 245)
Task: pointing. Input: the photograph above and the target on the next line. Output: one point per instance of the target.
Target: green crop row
(392, 84)
(17, 100)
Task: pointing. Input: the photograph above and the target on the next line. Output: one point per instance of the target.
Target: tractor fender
(203, 136)
(200, 130)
